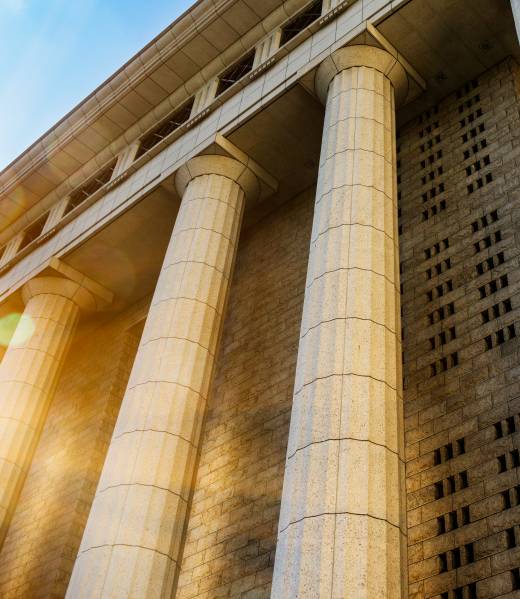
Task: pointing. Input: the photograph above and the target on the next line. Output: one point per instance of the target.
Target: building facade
(260, 301)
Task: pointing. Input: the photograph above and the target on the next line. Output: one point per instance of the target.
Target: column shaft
(132, 542)
(342, 521)
(28, 375)
(515, 5)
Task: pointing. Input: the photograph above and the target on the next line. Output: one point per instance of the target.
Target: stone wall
(459, 186)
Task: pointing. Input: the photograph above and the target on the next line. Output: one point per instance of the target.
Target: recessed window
(164, 128)
(301, 21)
(235, 73)
(500, 336)
(79, 195)
(484, 221)
(445, 363)
(487, 242)
(33, 231)
(515, 579)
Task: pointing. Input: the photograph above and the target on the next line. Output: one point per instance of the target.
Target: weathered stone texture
(459, 182)
(342, 522)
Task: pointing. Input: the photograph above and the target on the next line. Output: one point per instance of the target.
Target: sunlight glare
(15, 329)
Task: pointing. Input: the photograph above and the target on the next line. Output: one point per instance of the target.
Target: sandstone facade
(270, 295)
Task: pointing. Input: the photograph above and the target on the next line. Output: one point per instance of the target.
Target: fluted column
(131, 546)
(342, 522)
(28, 375)
(515, 5)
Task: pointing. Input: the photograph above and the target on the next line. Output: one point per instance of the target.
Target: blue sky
(53, 53)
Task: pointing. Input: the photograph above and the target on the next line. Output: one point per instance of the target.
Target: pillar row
(342, 531)
(132, 543)
(28, 375)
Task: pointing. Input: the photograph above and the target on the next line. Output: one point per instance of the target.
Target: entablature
(292, 31)
(273, 71)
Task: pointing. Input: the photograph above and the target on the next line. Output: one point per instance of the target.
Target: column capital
(215, 164)
(61, 279)
(60, 286)
(362, 56)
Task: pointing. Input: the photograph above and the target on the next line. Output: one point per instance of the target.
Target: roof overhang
(173, 66)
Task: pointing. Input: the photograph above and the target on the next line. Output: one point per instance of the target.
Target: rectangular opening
(235, 73)
(439, 491)
(448, 448)
(441, 525)
(33, 231)
(455, 556)
(301, 21)
(79, 195)
(515, 579)
(510, 538)
(164, 128)
(454, 524)
(502, 467)
(461, 446)
(443, 563)
(451, 489)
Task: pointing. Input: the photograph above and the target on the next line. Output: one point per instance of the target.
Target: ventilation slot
(441, 313)
(490, 263)
(436, 248)
(484, 221)
(493, 286)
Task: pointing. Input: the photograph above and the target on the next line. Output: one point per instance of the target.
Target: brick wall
(231, 535)
(459, 185)
(37, 557)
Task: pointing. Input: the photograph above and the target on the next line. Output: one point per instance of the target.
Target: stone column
(132, 543)
(515, 5)
(342, 523)
(28, 375)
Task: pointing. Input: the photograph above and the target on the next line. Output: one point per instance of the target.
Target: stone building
(266, 288)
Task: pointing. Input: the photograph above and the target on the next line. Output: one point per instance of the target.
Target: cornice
(184, 29)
